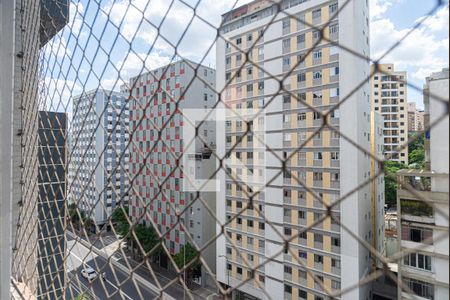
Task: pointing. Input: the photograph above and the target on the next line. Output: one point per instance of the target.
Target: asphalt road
(118, 284)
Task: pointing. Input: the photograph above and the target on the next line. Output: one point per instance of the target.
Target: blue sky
(92, 52)
(424, 51)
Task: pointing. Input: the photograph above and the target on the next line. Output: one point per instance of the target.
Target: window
(301, 77)
(335, 285)
(302, 214)
(303, 254)
(301, 96)
(335, 263)
(318, 176)
(286, 99)
(287, 231)
(418, 235)
(238, 41)
(288, 289)
(334, 29)
(317, 95)
(334, 71)
(418, 260)
(286, 61)
(303, 235)
(335, 242)
(286, 44)
(317, 54)
(316, 35)
(334, 7)
(317, 13)
(420, 288)
(261, 86)
(318, 258)
(317, 75)
(250, 223)
(286, 23)
(300, 38)
(302, 294)
(239, 270)
(287, 269)
(318, 155)
(334, 92)
(318, 238)
(249, 88)
(334, 155)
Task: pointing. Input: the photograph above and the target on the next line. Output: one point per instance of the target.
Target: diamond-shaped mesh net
(145, 172)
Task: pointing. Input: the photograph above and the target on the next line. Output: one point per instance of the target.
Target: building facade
(159, 139)
(378, 199)
(415, 118)
(323, 161)
(423, 225)
(98, 142)
(51, 206)
(389, 98)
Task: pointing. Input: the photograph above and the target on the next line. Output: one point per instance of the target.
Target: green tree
(148, 238)
(187, 255)
(120, 221)
(417, 157)
(390, 182)
(76, 216)
(417, 141)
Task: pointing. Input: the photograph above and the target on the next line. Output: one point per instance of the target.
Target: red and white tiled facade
(157, 142)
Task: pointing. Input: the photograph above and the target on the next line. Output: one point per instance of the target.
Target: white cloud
(377, 8)
(133, 65)
(421, 53)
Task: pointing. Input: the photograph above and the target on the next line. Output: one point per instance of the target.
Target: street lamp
(226, 266)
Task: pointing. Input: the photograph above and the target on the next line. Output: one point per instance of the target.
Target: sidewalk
(162, 275)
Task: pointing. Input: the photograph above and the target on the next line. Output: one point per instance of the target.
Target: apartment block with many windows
(389, 98)
(98, 172)
(161, 101)
(423, 225)
(319, 76)
(415, 118)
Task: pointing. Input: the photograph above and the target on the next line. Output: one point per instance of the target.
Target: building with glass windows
(161, 101)
(99, 138)
(271, 204)
(389, 98)
(422, 201)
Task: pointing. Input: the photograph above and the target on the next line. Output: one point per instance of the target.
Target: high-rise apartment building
(158, 191)
(423, 225)
(415, 118)
(316, 76)
(389, 98)
(51, 205)
(378, 199)
(98, 142)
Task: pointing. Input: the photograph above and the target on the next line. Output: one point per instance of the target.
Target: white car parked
(90, 274)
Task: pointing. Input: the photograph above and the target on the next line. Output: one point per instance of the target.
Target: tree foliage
(120, 221)
(187, 255)
(390, 183)
(79, 218)
(417, 141)
(416, 152)
(147, 237)
(417, 157)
